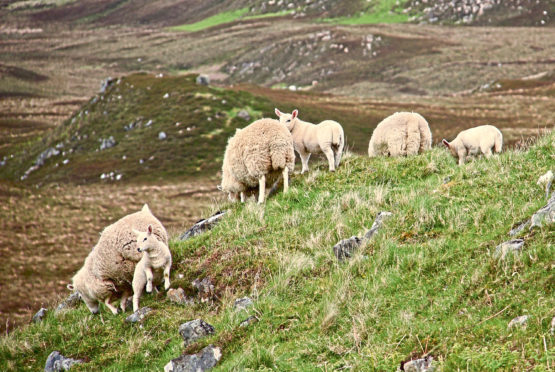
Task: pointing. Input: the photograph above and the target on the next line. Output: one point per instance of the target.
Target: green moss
(381, 11)
(215, 20)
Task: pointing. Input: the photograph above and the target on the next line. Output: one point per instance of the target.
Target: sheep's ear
(445, 142)
(149, 229)
(294, 114)
(278, 113)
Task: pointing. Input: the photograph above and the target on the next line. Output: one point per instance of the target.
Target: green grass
(215, 20)
(427, 283)
(383, 11)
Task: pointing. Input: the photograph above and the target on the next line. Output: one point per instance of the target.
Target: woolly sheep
(109, 267)
(400, 134)
(156, 256)
(256, 154)
(308, 138)
(474, 141)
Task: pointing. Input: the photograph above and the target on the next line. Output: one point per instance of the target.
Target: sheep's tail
(498, 141)
(278, 158)
(413, 137)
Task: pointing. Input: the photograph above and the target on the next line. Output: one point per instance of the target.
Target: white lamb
(109, 267)
(156, 257)
(400, 134)
(475, 141)
(308, 138)
(258, 153)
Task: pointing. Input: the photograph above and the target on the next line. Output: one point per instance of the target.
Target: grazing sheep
(156, 256)
(474, 141)
(400, 134)
(308, 138)
(109, 267)
(257, 154)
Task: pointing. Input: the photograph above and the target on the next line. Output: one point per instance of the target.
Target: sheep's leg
(462, 156)
(261, 189)
(112, 308)
(242, 194)
(487, 152)
(123, 303)
(304, 161)
(338, 153)
(167, 276)
(329, 155)
(149, 277)
(138, 285)
(92, 305)
(285, 175)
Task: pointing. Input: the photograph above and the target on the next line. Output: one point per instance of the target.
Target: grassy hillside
(427, 284)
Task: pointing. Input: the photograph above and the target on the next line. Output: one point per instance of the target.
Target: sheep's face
(145, 239)
(450, 148)
(288, 120)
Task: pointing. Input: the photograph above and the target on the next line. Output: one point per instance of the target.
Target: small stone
(203, 80)
(195, 329)
(104, 84)
(149, 123)
(71, 302)
(204, 360)
(243, 303)
(162, 136)
(247, 322)
(138, 315)
(39, 316)
(202, 225)
(205, 288)
(178, 296)
(56, 362)
(106, 143)
(167, 95)
(511, 246)
(243, 114)
(519, 321)
(418, 365)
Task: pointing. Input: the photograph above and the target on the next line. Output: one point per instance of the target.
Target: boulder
(202, 225)
(204, 360)
(56, 362)
(194, 329)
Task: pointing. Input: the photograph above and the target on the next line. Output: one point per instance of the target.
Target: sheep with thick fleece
(109, 268)
(475, 141)
(257, 154)
(308, 138)
(400, 134)
(157, 257)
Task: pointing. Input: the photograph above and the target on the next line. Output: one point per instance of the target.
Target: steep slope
(427, 284)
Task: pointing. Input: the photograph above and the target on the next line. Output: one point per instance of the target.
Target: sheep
(108, 269)
(256, 154)
(308, 138)
(474, 141)
(400, 134)
(156, 256)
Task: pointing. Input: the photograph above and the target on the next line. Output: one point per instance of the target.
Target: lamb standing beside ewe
(109, 267)
(400, 134)
(475, 141)
(308, 138)
(156, 256)
(256, 154)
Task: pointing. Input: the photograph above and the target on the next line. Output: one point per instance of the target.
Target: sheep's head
(289, 120)
(450, 147)
(145, 239)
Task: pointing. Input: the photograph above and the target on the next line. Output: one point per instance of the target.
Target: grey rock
(194, 329)
(243, 303)
(545, 215)
(205, 288)
(247, 322)
(178, 296)
(46, 154)
(204, 360)
(56, 362)
(106, 143)
(243, 114)
(72, 301)
(347, 247)
(104, 84)
(202, 225)
(39, 316)
(162, 136)
(418, 365)
(519, 228)
(203, 80)
(511, 246)
(138, 315)
(519, 321)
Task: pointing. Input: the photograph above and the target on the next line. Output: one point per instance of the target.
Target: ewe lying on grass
(475, 141)
(326, 137)
(257, 154)
(400, 134)
(109, 268)
(156, 256)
